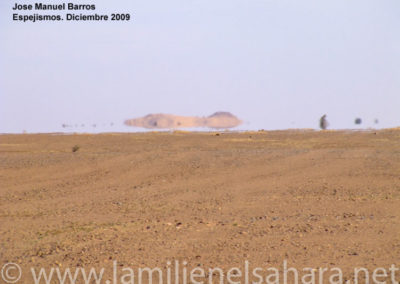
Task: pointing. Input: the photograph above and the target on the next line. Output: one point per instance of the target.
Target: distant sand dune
(160, 121)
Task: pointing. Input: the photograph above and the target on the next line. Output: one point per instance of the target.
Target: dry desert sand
(314, 198)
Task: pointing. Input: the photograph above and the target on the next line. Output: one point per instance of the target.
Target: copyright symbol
(11, 272)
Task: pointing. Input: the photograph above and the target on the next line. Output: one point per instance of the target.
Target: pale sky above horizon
(276, 64)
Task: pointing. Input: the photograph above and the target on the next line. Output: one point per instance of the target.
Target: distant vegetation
(323, 122)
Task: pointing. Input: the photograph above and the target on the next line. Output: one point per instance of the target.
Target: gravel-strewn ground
(315, 199)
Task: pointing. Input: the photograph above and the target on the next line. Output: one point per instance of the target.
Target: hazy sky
(276, 64)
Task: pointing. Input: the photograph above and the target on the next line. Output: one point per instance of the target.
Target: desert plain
(212, 199)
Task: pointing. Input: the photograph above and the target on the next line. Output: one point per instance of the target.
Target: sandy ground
(315, 199)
